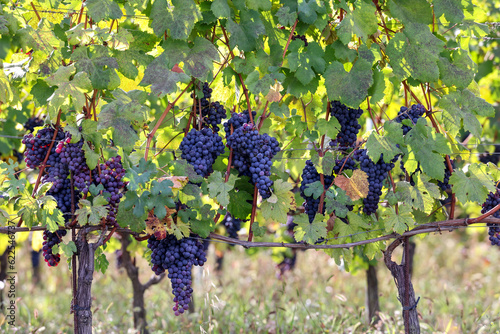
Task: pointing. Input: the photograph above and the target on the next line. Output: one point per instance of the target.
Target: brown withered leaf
(355, 187)
(274, 93)
(157, 227)
(331, 222)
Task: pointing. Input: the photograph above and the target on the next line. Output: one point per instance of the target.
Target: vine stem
(322, 154)
(439, 227)
(162, 117)
(36, 11)
(406, 249)
(73, 257)
(245, 90)
(254, 211)
(289, 40)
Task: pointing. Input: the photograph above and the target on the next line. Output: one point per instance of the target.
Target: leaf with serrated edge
(220, 189)
(473, 186)
(278, 211)
(309, 232)
(398, 222)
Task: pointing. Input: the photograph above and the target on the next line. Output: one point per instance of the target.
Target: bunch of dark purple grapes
(237, 120)
(213, 112)
(50, 240)
(415, 112)
(74, 156)
(311, 175)
(376, 172)
(232, 225)
(177, 257)
(111, 176)
(201, 149)
(37, 146)
(349, 124)
(493, 200)
(445, 185)
(346, 163)
(493, 157)
(32, 123)
(253, 154)
(301, 37)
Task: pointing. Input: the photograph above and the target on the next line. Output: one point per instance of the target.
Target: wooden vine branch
(160, 120)
(439, 226)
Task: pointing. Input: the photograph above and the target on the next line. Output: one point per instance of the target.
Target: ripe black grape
(38, 145)
(376, 172)
(32, 123)
(252, 156)
(414, 113)
(493, 157)
(111, 176)
(233, 225)
(178, 257)
(237, 120)
(444, 185)
(213, 115)
(51, 239)
(349, 125)
(311, 175)
(344, 164)
(201, 149)
(493, 200)
(300, 37)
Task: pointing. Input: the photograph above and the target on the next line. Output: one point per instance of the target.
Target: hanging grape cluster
(252, 156)
(177, 257)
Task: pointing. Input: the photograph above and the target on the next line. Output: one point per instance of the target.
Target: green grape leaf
(398, 222)
(258, 231)
(40, 91)
(309, 10)
(220, 8)
(257, 85)
(474, 185)
(239, 206)
(126, 218)
(101, 263)
(305, 62)
(385, 144)
(356, 224)
(103, 10)
(314, 189)
(350, 88)
(91, 214)
(336, 200)
(120, 114)
(276, 207)
(421, 196)
(451, 9)
(428, 148)
(417, 11)
(286, 17)
(67, 90)
(246, 33)
(220, 189)
(309, 232)
(406, 56)
(91, 157)
(361, 22)
(331, 127)
(179, 21)
(459, 72)
(464, 106)
(183, 168)
(204, 225)
(140, 175)
(125, 60)
(51, 216)
(377, 90)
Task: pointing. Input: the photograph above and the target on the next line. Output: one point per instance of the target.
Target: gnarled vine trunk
(405, 287)
(83, 303)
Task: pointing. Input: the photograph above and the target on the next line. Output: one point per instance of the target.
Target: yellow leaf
(355, 187)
